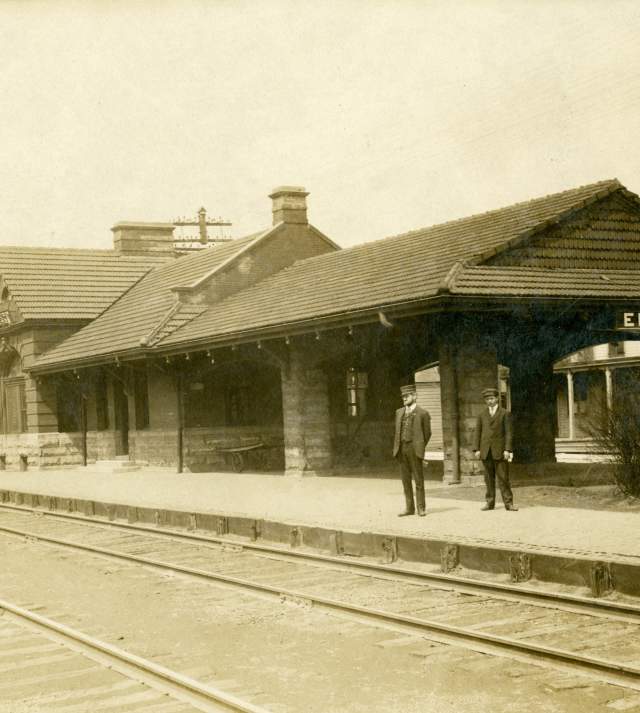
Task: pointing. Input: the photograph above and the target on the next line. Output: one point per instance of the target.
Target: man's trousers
(497, 469)
(411, 468)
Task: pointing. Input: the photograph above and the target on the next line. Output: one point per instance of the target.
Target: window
(357, 384)
(141, 398)
(14, 407)
(581, 387)
(102, 404)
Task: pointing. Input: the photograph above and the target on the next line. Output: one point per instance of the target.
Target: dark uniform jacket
(421, 431)
(493, 434)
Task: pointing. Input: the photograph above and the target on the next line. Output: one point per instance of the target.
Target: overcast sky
(393, 114)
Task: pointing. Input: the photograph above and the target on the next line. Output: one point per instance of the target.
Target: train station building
(285, 345)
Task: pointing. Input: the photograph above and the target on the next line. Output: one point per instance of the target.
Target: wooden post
(83, 419)
(608, 383)
(570, 402)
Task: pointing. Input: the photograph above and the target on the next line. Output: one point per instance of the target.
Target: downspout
(445, 288)
(3, 424)
(455, 420)
(180, 411)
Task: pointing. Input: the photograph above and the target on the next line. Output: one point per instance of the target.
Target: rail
(610, 671)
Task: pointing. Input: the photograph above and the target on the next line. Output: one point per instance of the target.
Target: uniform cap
(490, 392)
(408, 389)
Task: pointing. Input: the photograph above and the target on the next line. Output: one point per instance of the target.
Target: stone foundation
(156, 447)
(27, 451)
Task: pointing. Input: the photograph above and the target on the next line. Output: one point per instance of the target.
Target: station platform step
(563, 544)
(119, 464)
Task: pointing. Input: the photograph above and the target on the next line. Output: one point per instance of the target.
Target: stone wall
(465, 370)
(154, 446)
(201, 447)
(533, 404)
(26, 451)
(307, 423)
(101, 445)
(370, 445)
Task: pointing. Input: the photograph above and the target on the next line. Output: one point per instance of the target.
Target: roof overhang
(384, 314)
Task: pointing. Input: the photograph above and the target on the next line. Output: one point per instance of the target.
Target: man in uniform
(413, 430)
(492, 444)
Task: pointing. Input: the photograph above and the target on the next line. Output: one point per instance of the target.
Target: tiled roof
(540, 282)
(400, 269)
(61, 283)
(147, 310)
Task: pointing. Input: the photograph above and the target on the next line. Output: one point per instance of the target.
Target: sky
(393, 114)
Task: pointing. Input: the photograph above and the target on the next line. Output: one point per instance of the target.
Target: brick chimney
(289, 205)
(131, 238)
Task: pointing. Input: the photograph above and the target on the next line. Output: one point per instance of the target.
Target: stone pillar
(465, 370)
(449, 410)
(534, 413)
(305, 407)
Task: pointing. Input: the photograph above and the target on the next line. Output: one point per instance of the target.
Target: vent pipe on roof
(289, 205)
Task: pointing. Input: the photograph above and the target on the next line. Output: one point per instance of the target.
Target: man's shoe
(421, 512)
(487, 507)
(405, 513)
(513, 508)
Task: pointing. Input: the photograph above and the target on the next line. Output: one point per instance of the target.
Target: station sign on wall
(628, 319)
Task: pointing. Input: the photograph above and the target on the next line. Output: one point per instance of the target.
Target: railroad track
(595, 638)
(518, 592)
(50, 664)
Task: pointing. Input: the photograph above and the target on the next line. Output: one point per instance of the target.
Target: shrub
(617, 431)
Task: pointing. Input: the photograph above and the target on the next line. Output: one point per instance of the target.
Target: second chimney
(289, 205)
(131, 238)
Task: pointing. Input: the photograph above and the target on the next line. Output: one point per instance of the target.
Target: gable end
(604, 235)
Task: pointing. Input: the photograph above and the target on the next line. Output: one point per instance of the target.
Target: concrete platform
(564, 544)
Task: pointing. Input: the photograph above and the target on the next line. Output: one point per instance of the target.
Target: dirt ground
(283, 656)
(591, 497)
